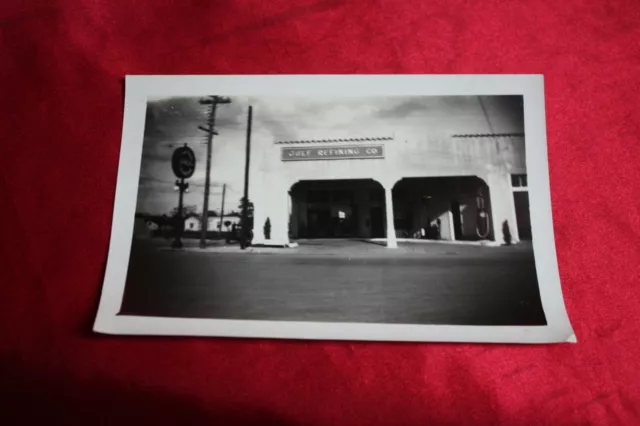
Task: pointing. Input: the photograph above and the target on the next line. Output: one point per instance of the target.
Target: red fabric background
(62, 65)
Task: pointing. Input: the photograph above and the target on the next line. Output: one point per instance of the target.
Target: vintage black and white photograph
(325, 209)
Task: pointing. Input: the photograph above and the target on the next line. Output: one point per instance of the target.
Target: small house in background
(227, 223)
(192, 224)
(212, 223)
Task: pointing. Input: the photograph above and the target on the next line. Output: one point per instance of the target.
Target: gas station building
(461, 177)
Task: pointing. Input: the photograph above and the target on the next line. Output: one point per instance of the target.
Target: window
(519, 181)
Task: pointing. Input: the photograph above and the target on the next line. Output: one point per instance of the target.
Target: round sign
(183, 162)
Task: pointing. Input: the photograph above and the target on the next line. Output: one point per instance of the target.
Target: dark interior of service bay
(433, 208)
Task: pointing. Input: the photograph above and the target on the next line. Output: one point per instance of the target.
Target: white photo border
(138, 89)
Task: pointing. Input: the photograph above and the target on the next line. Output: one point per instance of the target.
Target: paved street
(345, 281)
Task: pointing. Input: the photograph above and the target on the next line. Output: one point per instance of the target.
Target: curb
(483, 243)
(288, 245)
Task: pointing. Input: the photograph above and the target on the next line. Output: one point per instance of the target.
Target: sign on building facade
(333, 153)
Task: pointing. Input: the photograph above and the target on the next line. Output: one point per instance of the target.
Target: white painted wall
(425, 149)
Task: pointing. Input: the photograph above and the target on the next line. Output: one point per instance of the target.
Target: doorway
(377, 222)
(319, 222)
(337, 209)
(523, 215)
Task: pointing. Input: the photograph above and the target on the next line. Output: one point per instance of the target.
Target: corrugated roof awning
(489, 135)
(338, 140)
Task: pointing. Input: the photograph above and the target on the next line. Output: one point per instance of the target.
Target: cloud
(177, 119)
(307, 118)
(394, 108)
(172, 122)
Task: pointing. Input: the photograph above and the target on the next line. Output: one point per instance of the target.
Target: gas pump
(483, 227)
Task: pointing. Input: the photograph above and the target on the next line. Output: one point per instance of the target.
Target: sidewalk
(361, 248)
(484, 243)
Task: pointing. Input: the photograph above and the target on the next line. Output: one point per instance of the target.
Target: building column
(502, 206)
(452, 230)
(278, 217)
(271, 204)
(259, 216)
(391, 229)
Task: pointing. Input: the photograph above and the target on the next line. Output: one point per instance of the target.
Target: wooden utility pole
(245, 199)
(224, 190)
(213, 102)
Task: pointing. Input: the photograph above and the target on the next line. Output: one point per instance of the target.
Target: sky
(173, 122)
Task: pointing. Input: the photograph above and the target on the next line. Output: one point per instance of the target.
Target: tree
(249, 207)
(267, 229)
(227, 224)
(187, 211)
(249, 224)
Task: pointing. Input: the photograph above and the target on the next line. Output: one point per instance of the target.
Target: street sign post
(183, 163)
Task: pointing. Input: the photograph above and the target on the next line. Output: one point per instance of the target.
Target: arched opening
(349, 208)
(442, 208)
